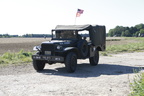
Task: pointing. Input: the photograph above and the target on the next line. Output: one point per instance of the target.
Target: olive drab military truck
(70, 43)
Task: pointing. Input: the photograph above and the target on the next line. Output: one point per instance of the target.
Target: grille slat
(48, 47)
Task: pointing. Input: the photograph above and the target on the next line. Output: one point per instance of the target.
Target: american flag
(79, 12)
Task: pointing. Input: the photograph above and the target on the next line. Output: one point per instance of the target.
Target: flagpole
(75, 21)
(79, 12)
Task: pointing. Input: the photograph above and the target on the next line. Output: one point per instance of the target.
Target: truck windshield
(64, 34)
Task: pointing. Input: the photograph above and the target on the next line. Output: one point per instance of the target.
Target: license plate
(47, 52)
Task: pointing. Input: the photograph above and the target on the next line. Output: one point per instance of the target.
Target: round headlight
(59, 47)
(37, 48)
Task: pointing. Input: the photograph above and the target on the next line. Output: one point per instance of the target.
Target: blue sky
(40, 16)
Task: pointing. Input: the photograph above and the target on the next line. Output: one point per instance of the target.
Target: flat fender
(70, 48)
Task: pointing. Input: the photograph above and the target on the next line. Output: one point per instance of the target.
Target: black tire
(71, 62)
(50, 63)
(94, 60)
(83, 48)
(38, 65)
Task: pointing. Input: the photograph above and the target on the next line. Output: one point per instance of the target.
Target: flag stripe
(79, 12)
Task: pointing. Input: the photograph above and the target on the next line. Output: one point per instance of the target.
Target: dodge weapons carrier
(69, 43)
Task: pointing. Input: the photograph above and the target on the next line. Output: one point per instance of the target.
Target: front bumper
(48, 58)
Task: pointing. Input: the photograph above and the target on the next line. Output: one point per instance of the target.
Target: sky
(18, 17)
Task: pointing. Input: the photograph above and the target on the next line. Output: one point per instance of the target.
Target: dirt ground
(111, 77)
(16, 44)
(27, 44)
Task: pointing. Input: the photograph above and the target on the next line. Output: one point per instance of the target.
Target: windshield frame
(65, 32)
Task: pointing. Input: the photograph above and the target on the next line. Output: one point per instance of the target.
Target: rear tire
(95, 59)
(71, 62)
(38, 65)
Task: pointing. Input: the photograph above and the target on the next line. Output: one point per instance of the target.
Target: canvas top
(72, 27)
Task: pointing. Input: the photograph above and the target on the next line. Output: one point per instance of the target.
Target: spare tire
(83, 48)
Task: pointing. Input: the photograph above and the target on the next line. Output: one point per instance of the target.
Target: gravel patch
(110, 78)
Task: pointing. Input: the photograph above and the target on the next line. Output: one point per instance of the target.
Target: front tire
(95, 59)
(83, 48)
(38, 65)
(71, 62)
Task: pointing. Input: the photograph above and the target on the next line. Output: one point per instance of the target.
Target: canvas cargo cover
(72, 27)
(97, 33)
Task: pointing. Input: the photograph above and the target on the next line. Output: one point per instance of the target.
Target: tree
(142, 32)
(111, 33)
(123, 34)
(137, 34)
(139, 26)
(126, 33)
(118, 30)
(133, 30)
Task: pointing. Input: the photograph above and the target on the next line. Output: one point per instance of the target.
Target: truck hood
(61, 42)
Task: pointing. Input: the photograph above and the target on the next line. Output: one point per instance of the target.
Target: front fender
(70, 48)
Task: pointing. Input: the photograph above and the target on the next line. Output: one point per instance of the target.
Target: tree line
(26, 35)
(120, 31)
(37, 35)
(7, 36)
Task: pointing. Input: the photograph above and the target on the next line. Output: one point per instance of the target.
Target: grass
(15, 58)
(129, 45)
(125, 47)
(138, 85)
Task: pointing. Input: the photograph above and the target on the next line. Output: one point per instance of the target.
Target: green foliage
(127, 31)
(141, 31)
(128, 47)
(14, 58)
(104, 54)
(138, 85)
(125, 47)
(139, 26)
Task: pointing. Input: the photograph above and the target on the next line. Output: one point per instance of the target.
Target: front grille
(48, 47)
